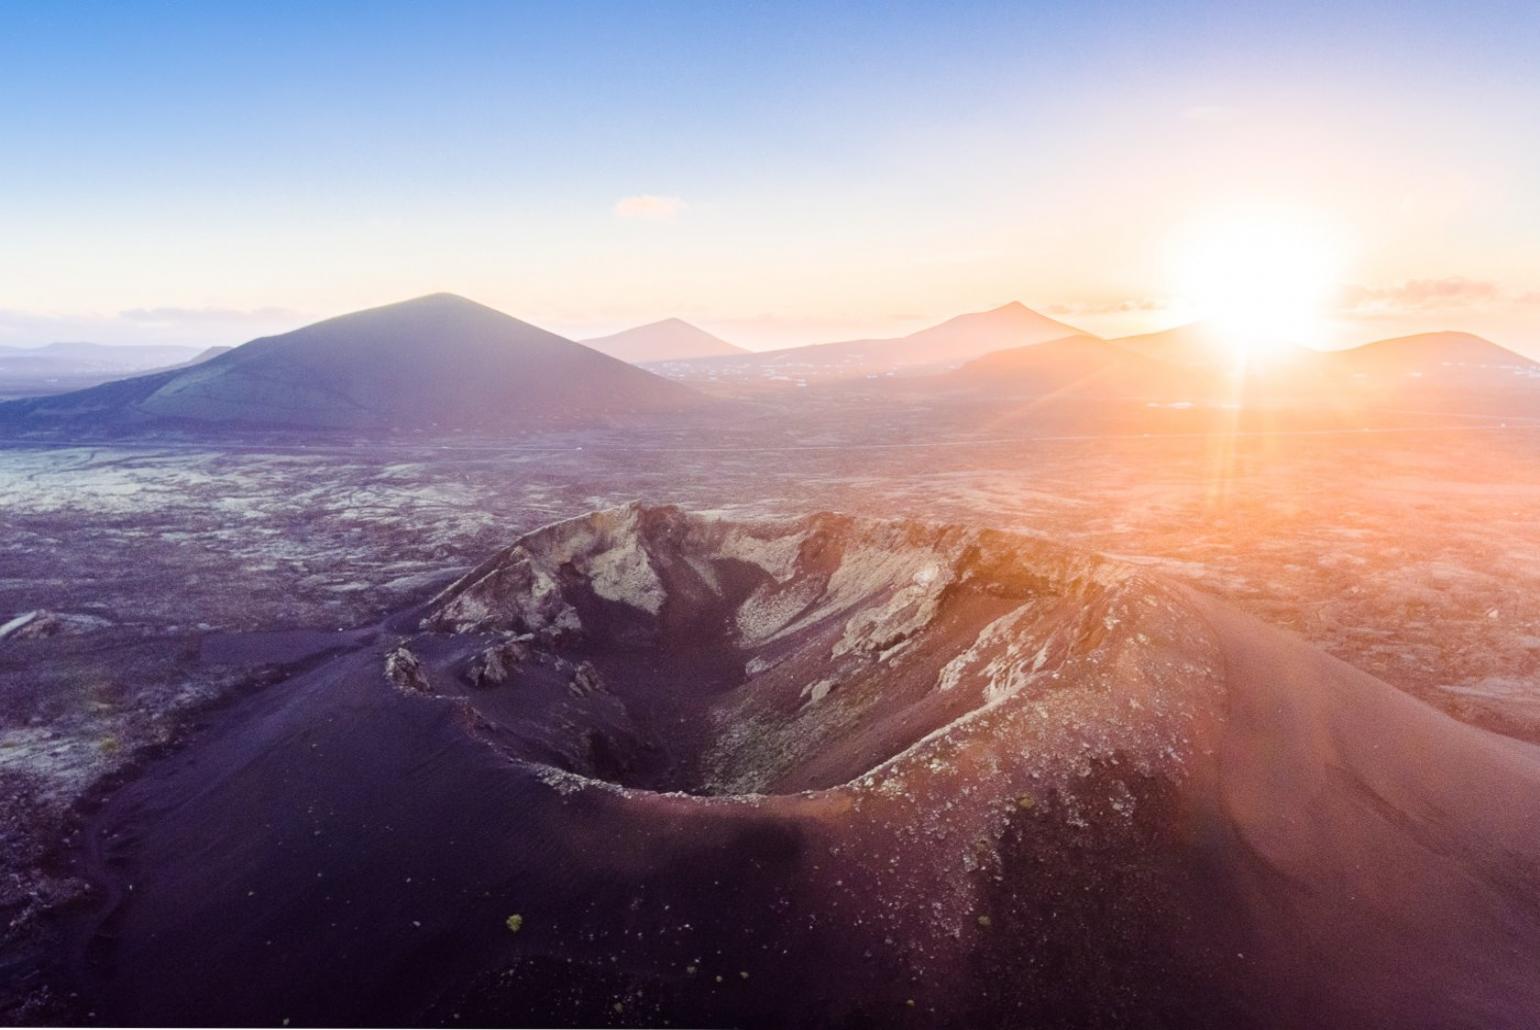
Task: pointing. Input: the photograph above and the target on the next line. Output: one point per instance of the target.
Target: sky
(777, 173)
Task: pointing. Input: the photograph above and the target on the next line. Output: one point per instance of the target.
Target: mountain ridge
(947, 343)
(1193, 363)
(668, 339)
(430, 363)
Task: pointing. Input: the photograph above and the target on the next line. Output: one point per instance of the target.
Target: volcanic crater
(648, 766)
(698, 653)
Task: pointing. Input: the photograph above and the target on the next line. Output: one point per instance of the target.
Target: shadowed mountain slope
(435, 363)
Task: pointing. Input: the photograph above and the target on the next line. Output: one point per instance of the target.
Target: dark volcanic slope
(438, 362)
(823, 771)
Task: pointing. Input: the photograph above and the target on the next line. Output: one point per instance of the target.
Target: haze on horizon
(778, 177)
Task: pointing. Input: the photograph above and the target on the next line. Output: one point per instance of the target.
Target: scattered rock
(42, 623)
(495, 666)
(815, 692)
(585, 680)
(405, 672)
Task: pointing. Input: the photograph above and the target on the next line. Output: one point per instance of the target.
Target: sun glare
(1261, 280)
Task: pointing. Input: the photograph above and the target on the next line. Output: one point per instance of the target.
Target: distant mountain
(1430, 352)
(1194, 364)
(1081, 364)
(437, 362)
(62, 367)
(1445, 370)
(1194, 345)
(967, 336)
(208, 354)
(951, 343)
(79, 357)
(1199, 344)
(669, 340)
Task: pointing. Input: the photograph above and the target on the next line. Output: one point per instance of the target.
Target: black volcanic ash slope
(437, 362)
(649, 767)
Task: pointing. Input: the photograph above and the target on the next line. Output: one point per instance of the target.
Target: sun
(1261, 279)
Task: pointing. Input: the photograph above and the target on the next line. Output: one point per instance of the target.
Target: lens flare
(1261, 279)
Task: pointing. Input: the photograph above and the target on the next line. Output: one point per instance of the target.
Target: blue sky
(223, 169)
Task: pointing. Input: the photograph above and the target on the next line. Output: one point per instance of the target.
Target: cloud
(207, 316)
(649, 207)
(163, 325)
(1210, 113)
(1114, 306)
(1417, 295)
